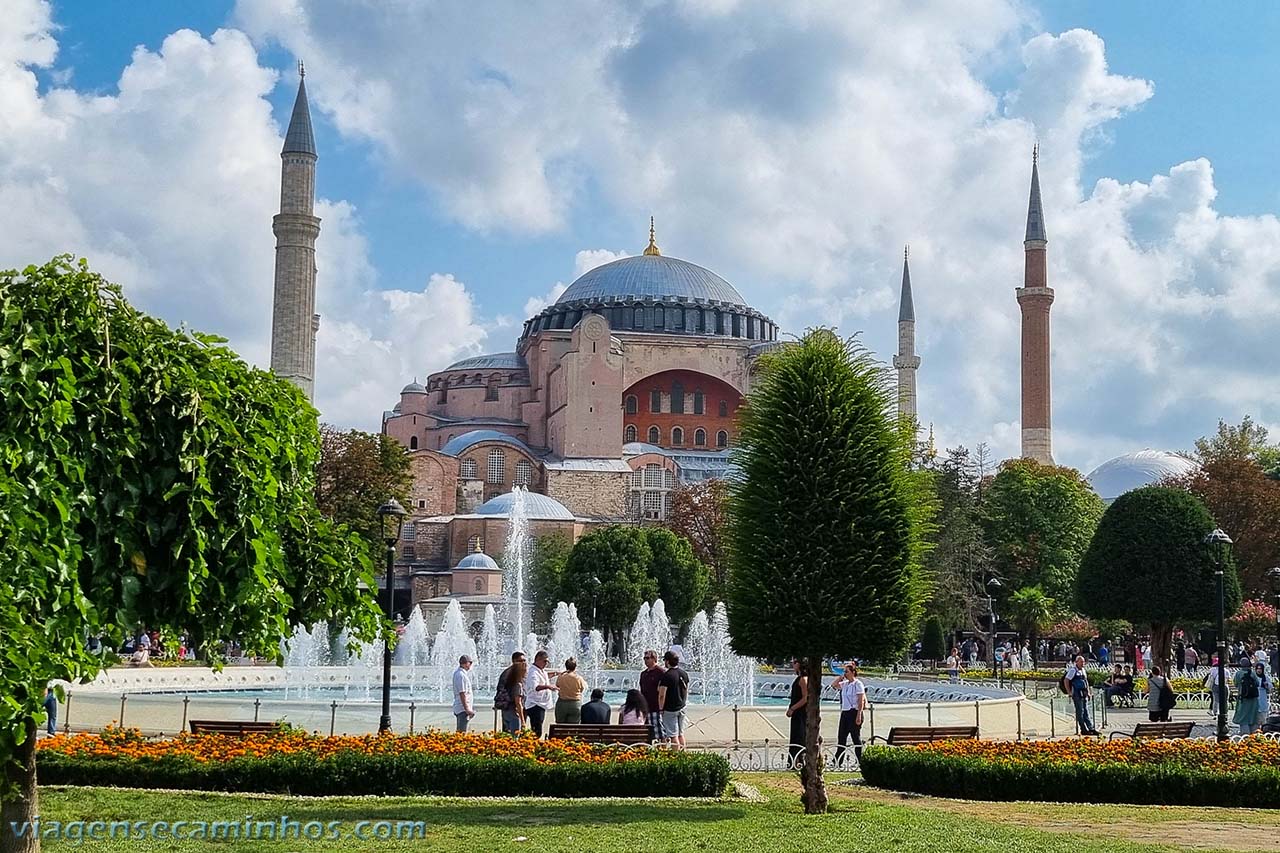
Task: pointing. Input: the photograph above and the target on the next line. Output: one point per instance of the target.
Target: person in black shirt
(796, 712)
(673, 694)
(597, 710)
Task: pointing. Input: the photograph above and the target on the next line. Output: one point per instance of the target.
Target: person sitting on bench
(596, 711)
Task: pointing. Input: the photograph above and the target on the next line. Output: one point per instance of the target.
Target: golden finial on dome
(479, 546)
(652, 248)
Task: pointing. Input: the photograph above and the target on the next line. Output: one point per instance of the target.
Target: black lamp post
(993, 587)
(1218, 541)
(595, 593)
(391, 515)
(1273, 577)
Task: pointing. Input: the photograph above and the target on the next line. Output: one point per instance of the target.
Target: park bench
(602, 733)
(230, 727)
(911, 735)
(1152, 731)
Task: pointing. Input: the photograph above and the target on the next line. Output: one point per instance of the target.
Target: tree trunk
(1161, 646)
(19, 811)
(814, 797)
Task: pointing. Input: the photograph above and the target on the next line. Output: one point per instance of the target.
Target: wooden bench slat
(910, 735)
(230, 727)
(602, 733)
(1170, 730)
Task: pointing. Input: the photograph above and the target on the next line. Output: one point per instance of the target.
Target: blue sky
(472, 160)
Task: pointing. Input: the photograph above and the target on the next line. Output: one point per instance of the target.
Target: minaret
(906, 361)
(294, 321)
(1035, 297)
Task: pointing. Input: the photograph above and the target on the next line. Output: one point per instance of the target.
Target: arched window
(497, 465)
(699, 437)
(697, 402)
(655, 401)
(677, 398)
(637, 318)
(659, 317)
(722, 439)
(479, 584)
(413, 442)
(524, 473)
(444, 391)
(677, 436)
(633, 404)
(468, 471)
(630, 434)
(724, 409)
(491, 389)
(655, 436)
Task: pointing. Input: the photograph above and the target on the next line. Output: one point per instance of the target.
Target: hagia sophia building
(612, 397)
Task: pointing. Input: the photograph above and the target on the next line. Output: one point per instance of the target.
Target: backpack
(501, 694)
(1248, 686)
(1064, 684)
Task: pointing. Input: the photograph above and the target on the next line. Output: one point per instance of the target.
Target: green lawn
(859, 821)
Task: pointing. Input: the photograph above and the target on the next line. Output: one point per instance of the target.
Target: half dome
(651, 277)
(1132, 471)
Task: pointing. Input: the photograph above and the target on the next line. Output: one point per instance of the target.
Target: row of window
(497, 469)
(662, 318)
(677, 436)
(677, 407)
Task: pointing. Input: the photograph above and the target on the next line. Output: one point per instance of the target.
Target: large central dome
(651, 277)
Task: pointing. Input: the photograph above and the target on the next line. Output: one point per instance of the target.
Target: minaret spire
(906, 361)
(294, 322)
(1035, 298)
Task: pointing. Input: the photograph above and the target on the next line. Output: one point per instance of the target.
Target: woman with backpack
(1160, 698)
(1246, 684)
(509, 695)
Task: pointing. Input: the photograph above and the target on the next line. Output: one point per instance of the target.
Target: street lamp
(391, 516)
(1218, 543)
(1273, 577)
(595, 592)
(993, 587)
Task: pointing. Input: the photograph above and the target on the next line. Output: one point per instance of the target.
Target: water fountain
(514, 558)
(565, 633)
(659, 628)
(695, 639)
(640, 637)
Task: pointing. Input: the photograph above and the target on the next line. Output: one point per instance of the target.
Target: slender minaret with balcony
(1035, 298)
(906, 361)
(294, 321)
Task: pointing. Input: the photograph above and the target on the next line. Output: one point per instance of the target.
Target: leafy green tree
(547, 566)
(1039, 520)
(933, 644)
(699, 513)
(147, 477)
(357, 473)
(682, 578)
(1148, 564)
(1031, 612)
(619, 558)
(960, 559)
(1247, 441)
(827, 520)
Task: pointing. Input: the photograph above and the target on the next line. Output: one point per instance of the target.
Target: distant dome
(478, 560)
(651, 277)
(1132, 471)
(414, 387)
(536, 506)
(492, 361)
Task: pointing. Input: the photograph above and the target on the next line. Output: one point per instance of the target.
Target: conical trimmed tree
(827, 519)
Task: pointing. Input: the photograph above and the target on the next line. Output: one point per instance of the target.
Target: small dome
(1132, 471)
(478, 560)
(651, 277)
(536, 506)
(414, 387)
(492, 361)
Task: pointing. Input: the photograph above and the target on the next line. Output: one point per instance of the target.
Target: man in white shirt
(853, 701)
(1211, 684)
(540, 691)
(464, 706)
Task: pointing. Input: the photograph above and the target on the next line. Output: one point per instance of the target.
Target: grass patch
(857, 822)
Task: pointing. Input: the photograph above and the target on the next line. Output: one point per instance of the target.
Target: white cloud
(587, 259)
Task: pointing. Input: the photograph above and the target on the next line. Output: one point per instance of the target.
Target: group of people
(853, 706)
(526, 694)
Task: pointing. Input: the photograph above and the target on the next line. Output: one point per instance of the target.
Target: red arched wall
(714, 392)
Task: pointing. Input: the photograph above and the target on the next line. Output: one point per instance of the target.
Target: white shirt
(849, 693)
(462, 684)
(541, 698)
(952, 663)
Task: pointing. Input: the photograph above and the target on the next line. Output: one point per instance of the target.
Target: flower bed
(1096, 678)
(1173, 772)
(431, 763)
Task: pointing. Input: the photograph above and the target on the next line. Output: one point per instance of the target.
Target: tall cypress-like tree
(826, 521)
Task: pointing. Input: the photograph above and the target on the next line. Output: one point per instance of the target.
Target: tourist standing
(953, 665)
(1159, 696)
(540, 693)
(673, 695)
(1264, 692)
(1104, 654)
(1078, 679)
(635, 711)
(51, 710)
(1191, 660)
(570, 687)
(796, 712)
(853, 702)
(464, 696)
(509, 697)
(597, 711)
(1246, 684)
(1210, 682)
(650, 678)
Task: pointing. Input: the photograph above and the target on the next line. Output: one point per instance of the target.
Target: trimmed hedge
(923, 771)
(667, 774)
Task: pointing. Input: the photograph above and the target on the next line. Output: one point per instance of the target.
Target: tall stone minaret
(906, 361)
(1034, 298)
(294, 321)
